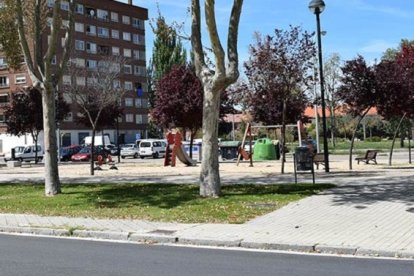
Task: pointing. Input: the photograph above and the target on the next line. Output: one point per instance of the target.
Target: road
(20, 255)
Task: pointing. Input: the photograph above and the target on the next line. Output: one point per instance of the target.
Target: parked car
(66, 153)
(130, 150)
(30, 153)
(152, 147)
(85, 154)
(17, 151)
(111, 149)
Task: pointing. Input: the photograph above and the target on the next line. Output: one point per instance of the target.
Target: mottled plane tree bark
(214, 82)
(29, 22)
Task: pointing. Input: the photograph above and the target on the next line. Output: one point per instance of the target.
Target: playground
(153, 170)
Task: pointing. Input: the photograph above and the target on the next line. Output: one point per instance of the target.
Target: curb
(166, 239)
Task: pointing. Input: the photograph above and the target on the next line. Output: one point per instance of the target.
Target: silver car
(130, 150)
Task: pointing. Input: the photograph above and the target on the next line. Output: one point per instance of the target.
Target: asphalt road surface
(20, 255)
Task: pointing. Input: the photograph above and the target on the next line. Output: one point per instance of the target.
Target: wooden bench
(370, 155)
(319, 159)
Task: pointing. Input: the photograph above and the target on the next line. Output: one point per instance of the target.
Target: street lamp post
(317, 7)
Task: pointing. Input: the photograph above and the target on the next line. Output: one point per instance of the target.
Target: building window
(4, 81)
(129, 118)
(68, 117)
(91, 47)
(117, 84)
(128, 69)
(80, 62)
(103, 50)
(127, 53)
(138, 119)
(90, 30)
(138, 55)
(115, 34)
(139, 70)
(91, 81)
(126, 36)
(128, 86)
(2, 118)
(67, 97)
(129, 102)
(91, 64)
(103, 32)
(54, 60)
(102, 15)
(114, 16)
(138, 102)
(50, 3)
(3, 63)
(115, 51)
(126, 19)
(79, 8)
(144, 103)
(79, 45)
(20, 79)
(4, 99)
(80, 81)
(65, 24)
(66, 80)
(64, 5)
(90, 12)
(138, 39)
(137, 23)
(79, 27)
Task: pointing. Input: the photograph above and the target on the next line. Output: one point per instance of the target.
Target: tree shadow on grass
(167, 196)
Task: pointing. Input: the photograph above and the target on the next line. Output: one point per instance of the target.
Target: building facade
(104, 27)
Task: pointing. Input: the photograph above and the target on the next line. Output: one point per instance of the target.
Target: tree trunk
(333, 127)
(35, 139)
(409, 144)
(192, 134)
(353, 138)
(52, 183)
(283, 136)
(210, 176)
(92, 153)
(394, 138)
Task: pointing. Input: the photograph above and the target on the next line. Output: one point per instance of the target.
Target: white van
(152, 147)
(29, 154)
(99, 140)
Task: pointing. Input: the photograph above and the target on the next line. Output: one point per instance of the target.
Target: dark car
(112, 149)
(85, 154)
(66, 153)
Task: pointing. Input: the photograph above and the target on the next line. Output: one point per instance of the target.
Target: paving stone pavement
(370, 212)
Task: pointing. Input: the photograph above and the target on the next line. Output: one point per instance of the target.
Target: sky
(365, 27)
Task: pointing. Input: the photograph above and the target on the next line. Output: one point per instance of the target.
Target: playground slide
(183, 156)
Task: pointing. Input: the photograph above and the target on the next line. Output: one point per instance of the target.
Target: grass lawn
(156, 202)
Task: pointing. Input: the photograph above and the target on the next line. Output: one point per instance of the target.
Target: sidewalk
(370, 212)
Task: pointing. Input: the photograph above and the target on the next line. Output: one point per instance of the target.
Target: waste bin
(229, 149)
(264, 150)
(277, 148)
(303, 159)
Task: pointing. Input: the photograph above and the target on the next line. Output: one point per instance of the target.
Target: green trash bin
(264, 149)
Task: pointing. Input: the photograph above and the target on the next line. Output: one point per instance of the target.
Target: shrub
(373, 139)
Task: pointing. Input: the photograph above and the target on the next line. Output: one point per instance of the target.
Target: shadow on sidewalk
(397, 189)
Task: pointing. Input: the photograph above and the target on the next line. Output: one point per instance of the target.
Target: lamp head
(317, 6)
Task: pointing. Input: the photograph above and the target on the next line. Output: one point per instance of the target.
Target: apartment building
(104, 27)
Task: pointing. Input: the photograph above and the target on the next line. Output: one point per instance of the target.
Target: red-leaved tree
(179, 100)
(279, 71)
(357, 92)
